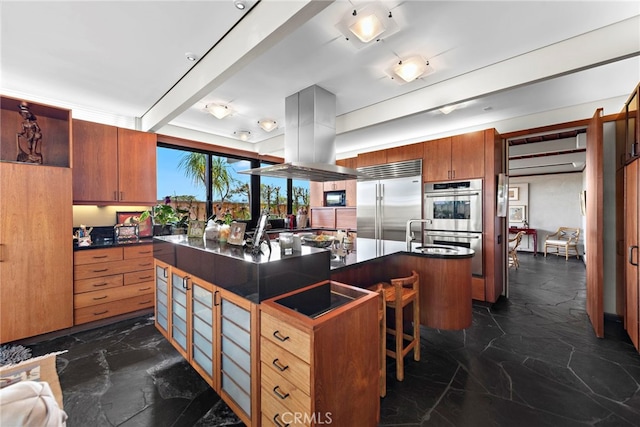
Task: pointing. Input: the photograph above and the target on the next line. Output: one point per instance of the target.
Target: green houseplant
(164, 218)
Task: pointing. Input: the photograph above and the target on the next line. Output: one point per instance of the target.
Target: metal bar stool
(398, 294)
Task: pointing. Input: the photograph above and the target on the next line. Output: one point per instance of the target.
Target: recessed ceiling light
(243, 135)
(191, 56)
(219, 111)
(268, 125)
(239, 4)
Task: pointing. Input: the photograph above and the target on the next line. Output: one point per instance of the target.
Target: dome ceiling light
(219, 111)
(239, 4)
(268, 125)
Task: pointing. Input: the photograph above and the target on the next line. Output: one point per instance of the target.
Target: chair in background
(398, 294)
(513, 249)
(565, 239)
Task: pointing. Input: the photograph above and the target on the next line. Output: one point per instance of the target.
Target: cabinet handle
(144, 289)
(101, 271)
(185, 282)
(145, 264)
(97, 285)
(145, 277)
(280, 395)
(100, 312)
(277, 364)
(99, 256)
(115, 195)
(122, 195)
(215, 294)
(144, 252)
(453, 173)
(279, 336)
(1, 252)
(275, 420)
(144, 302)
(164, 272)
(631, 248)
(99, 298)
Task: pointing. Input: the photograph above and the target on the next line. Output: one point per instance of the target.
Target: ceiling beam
(263, 27)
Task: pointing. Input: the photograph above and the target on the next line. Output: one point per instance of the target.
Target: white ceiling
(512, 65)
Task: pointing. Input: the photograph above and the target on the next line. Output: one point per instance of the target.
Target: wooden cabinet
(372, 158)
(632, 241)
(334, 218)
(214, 330)
(112, 281)
(36, 267)
(300, 373)
(317, 189)
(113, 165)
(405, 152)
(454, 158)
(631, 127)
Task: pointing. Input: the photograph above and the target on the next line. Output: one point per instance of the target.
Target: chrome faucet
(409, 236)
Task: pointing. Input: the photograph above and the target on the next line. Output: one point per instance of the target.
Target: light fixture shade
(367, 28)
(243, 135)
(447, 109)
(219, 111)
(407, 70)
(268, 125)
(371, 22)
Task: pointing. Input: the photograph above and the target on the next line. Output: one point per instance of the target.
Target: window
(206, 183)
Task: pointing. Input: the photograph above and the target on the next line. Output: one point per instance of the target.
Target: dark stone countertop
(102, 243)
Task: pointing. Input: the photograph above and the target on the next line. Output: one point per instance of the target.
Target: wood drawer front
(138, 277)
(276, 386)
(97, 283)
(113, 267)
(286, 365)
(273, 409)
(91, 256)
(138, 251)
(114, 308)
(292, 339)
(88, 299)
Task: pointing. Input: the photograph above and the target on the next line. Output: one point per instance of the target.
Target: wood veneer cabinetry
(454, 158)
(112, 281)
(113, 165)
(632, 241)
(215, 331)
(323, 369)
(334, 218)
(36, 270)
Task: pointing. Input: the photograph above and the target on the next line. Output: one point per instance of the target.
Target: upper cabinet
(632, 126)
(113, 165)
(372, 158)
(454, 158)
(406, 152)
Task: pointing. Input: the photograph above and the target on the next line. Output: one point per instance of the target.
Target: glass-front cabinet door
(162, 297)
(180, 286)
(203, 328)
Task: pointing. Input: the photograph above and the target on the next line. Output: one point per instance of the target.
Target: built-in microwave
(335, 198)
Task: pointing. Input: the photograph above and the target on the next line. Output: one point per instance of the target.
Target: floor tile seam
(427, 414)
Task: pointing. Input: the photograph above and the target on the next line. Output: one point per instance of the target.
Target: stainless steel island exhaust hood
(309, 140)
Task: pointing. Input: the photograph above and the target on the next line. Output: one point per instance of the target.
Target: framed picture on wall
(514, 193)
(517, 213)
(145, 228)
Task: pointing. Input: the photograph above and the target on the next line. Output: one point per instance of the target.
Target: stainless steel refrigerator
(388, 200)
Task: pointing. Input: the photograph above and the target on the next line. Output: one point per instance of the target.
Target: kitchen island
(445, 276)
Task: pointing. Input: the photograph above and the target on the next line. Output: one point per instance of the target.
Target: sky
(172, 181)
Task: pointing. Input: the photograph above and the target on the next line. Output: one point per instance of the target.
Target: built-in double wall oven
(453, 214)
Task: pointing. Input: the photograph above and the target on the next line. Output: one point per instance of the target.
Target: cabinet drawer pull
(145, 264)
(100, 312)
(277, 364)
(144, 252)
(164, 272)
(99, 298)
(101, 271)
(216, 302)
(99, 256)
(280, 395)
(144, 302)
(144, 289)
(115, 195)
(631, 248)
(145, 277)
(97, 285)
(277, 421)
(279, 336)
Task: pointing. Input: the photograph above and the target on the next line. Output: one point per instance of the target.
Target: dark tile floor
(531, 360)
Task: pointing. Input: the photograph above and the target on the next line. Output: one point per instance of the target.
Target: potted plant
(164, 218)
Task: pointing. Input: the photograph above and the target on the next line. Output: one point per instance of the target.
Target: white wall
(551, 201)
